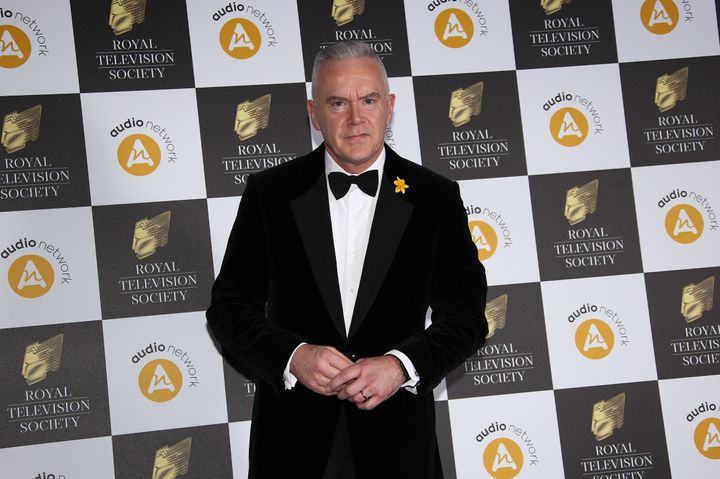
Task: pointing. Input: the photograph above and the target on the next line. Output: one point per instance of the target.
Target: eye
(337, 105)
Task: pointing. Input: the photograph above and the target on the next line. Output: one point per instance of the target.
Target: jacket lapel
(312, 216)
(392, 214)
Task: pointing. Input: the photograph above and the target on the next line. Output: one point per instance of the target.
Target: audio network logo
(240, 37)
(594, 337)
(344, 11)
(139, 153)
(126, 13)
(252, 116)
(707, 437)
(684, 223)
(20, 128)
(15, 44)
(659, 16)
(503, 457)
(454, 28)
(172, 461)
(42, 358)
(569, 126)
(32, 275)
(161, 379)
(697, 298)
(484, 235)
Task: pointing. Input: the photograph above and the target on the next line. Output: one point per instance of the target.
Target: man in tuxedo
(330, 268)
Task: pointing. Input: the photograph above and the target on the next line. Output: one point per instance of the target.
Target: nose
(354, 113)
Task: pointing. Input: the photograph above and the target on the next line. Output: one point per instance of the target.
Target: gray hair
(341, 51)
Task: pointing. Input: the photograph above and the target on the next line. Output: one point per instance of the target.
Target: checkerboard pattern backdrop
(582, 134)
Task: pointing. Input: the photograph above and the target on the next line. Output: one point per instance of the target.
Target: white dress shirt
(351, 217)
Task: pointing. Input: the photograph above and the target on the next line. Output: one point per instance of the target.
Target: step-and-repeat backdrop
(582, 134)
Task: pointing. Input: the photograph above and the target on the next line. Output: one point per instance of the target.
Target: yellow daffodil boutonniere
(400, 185)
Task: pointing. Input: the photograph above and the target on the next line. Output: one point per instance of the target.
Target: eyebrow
(333, 98)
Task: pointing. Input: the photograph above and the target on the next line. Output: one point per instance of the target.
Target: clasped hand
(367, 382)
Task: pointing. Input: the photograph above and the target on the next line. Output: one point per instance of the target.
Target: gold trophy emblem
(151, 234)
(19, 128)
(581, 201)
(608, 416)
(670, 89)
(697, 298)
(172, 461)
(126, 13)
(465, 103)
(42, 358)
(344, 11)
(252, 116)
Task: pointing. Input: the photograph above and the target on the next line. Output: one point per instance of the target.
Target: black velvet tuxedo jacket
(278, 287)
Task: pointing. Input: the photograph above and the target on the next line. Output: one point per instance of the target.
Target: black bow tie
(340, 183)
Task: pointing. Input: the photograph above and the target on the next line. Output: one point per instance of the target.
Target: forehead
(341, 77)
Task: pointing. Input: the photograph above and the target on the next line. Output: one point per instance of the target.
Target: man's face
(352, 108)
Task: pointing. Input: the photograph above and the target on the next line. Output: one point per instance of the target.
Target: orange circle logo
(160, 380)
(240, 38)
(707, 437)
(568, 126)
(594, 339)
(31, 276)
(15, 47)
(484, 237)
(503, 458)
(139, 154)
(454, 28)
(684, 223)
(659, 16)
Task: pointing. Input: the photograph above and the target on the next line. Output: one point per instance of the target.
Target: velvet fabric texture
(278, 287)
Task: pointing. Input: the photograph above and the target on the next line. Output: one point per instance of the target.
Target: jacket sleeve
(236, 315)
(457, 298)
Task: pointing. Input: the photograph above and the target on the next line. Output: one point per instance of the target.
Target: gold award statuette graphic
(684, 223)
(496, 313)
(252, 116)
(344, 11)
(580, 201)
(594, 339)
(568, 126)
(160, 380)
(465, 103)
(697, 298)
(19, 128)
(31, 276)
(172, 461)
(454, 28)
(707, 437)
(484, 237)
(240, 38)
(670, 89)
(659, 16)
(15, 47)
(608, 416)
(151, 234)
(42, 358)
(139, 154)
(503, 458)
(552, 6)
(126, 13)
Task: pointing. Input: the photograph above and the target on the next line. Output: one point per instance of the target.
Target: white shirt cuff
(289, 378)
(411, 384)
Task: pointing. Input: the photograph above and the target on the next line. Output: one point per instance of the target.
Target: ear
(391, 107)
(312, 115)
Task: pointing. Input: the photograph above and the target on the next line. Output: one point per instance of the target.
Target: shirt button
(353, 252)
(354, 216)
(352, 290)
